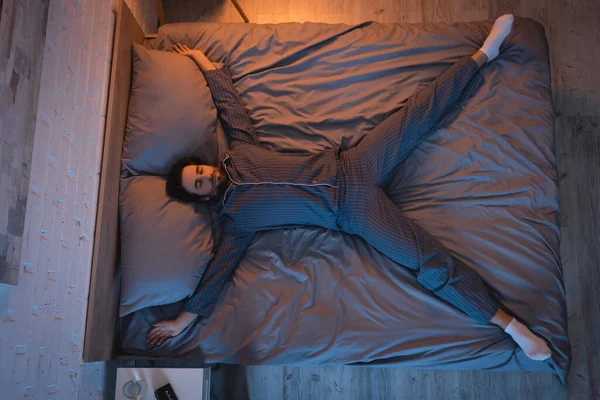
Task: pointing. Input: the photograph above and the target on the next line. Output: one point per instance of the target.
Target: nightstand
(187, 383)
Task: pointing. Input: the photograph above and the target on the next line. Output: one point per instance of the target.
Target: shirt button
(275, 180)
(295, 181)
(313, 182)
(258, 181)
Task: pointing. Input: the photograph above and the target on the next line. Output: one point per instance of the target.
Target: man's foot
(534, 346)
(499, 32)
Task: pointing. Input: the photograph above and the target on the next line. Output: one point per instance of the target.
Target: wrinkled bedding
(485, 184)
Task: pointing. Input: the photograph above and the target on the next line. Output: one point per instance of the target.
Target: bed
(485, 184)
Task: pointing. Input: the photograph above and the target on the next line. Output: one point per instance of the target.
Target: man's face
(204, 181)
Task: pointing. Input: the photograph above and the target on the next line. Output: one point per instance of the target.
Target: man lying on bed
(259, 189)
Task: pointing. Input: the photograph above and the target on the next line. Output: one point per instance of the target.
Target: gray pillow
(165, 245)
(171, 113)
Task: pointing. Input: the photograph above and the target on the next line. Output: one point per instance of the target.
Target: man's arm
(232, 113)
(219, 272)
(201, 304)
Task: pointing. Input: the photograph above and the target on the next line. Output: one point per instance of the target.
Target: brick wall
(42, 319)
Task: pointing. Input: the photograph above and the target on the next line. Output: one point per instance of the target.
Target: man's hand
(186, 51)
(164, 330)
(197, 55)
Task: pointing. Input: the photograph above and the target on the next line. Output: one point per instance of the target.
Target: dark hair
(174, 187)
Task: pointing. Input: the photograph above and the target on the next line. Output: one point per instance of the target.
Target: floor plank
(22, 36)
(579, 160)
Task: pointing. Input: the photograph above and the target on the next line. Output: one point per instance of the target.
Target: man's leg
(375, 218)
(388, 144)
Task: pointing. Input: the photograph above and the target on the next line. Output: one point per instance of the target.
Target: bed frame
(100, 342)
(103, 300)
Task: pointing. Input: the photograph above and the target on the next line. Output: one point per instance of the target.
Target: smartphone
(165, 392)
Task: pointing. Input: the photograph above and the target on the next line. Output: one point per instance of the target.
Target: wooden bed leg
(239, 10)
(161, 13)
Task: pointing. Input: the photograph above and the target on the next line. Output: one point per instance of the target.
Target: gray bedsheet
(485, 185)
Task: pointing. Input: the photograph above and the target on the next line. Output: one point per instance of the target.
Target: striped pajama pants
(365, 209)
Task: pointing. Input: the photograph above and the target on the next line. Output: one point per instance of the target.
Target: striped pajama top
(268, 190)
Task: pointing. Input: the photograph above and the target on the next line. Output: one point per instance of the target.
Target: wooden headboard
(103, 300)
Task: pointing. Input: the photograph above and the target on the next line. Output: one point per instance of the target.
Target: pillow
(165, 245)
(171, 113)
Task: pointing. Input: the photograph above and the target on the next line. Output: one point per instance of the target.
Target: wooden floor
(22, 37)
(573, 30)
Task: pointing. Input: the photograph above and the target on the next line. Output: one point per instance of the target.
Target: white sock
(534, 346)
(500, 30)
